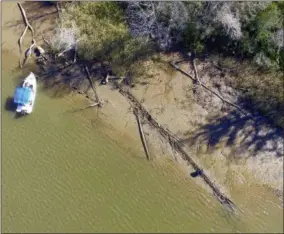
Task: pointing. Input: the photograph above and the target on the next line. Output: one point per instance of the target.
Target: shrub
(103, 35)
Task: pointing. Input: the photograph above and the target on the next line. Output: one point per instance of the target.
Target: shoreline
(176, 127)
(117, 114)
(189, 113)
(170, 101)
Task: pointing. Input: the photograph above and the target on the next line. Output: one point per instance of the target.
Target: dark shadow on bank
(60, 75)
(256, 133)
(59, 79)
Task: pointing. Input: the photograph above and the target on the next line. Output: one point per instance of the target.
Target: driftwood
(213, 92)
(71, 47)
(20, 41)
(58, 10)
(177, 145)
(75, 55)
(142, 134)
(46, 42)
(195, 72)
(29, 52)
(89, 106)
(93, 86)
(26, 20)
(174, 141)
(64, 51)
(108, 77)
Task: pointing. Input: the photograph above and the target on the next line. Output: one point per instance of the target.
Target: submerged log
(142, 135)
(178, 146)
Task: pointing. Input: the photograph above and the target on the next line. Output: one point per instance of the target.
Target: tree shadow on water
(255, 134)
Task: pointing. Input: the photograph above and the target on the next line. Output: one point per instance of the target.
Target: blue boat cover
(22, 95)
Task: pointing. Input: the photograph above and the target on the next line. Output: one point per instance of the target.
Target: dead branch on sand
(89, 106)
(58, 10)
(93, 86)
(195, 72)
(46, 42)
(108, 77)
(213, 92)
(28, 52)
(20, 41)
(26, 20)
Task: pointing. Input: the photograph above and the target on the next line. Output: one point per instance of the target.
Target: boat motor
(23, 112)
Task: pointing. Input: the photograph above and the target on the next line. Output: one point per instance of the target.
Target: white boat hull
(29, 81)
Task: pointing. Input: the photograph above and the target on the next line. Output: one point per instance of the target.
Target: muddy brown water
(61, 173)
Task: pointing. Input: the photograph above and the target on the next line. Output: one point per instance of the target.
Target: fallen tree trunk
(28, 26)
(20, 43)
(205, 87)
(26, 20)
(93, 85)
(177, 145)
(142, 135)
(29, 52)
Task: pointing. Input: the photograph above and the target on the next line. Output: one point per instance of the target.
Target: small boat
(25, 95)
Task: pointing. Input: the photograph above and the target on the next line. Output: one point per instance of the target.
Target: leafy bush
(263, 37)
(104, 35)
(248, 29)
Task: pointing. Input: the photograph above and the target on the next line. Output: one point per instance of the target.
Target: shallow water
(61, 173)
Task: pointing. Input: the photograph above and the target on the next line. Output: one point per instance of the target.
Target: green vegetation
(257, 36)
(104, 36)
(111, 30)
